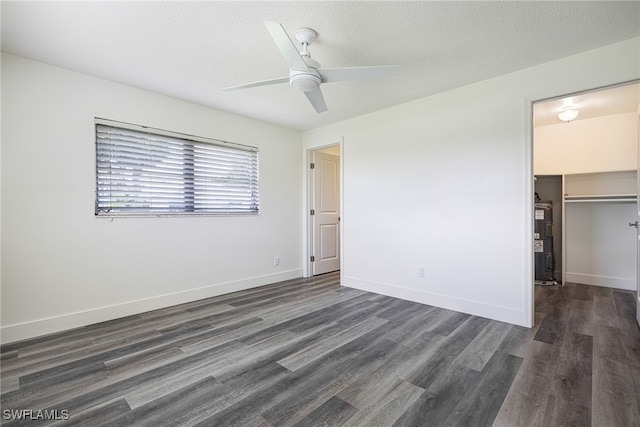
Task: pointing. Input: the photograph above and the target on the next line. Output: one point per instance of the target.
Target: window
(144, 171)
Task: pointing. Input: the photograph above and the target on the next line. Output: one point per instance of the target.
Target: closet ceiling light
(568, 113)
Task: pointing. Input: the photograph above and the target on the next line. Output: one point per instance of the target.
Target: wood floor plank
(581, 317)
(441, 397)
(562, 413)
(298, 394)
(94, 362)
(483, 346)
(480, 404)
(608, 344)
(243, 387)
(398, 307)
(346, 314)
(173, 409)
(308, 315)
(165, 385)
(399, 367)
(331, 374)
(574, 371)
(307, 352)
(387, 410)
(448, 322)
(613, 381)
(325, 346)
(213, 337)
(314, 307)
(526, 402)
(517, 341)
(410, 327)
(613, 395)
(553, 325)
(634, 377)
(98, 415)
(31, 361)
(625, 307)
(527, 399)
(334, 412)
(448, 351)
(604, 311)
(90, 391)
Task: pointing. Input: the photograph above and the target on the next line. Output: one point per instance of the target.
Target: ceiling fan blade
(355, 73)
(286, 46)
(260, 83)
(317, 100)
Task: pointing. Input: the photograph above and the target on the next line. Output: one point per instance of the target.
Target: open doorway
(585, 162)
(324, 213)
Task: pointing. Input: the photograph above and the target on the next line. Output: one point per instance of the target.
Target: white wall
(63, 268)
(600, 245)
(445, 182)
(607, 143)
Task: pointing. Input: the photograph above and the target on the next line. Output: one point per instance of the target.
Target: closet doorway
(585, 151)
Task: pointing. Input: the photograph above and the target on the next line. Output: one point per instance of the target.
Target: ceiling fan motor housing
(306, 81)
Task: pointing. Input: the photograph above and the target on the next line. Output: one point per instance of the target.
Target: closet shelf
(595, 198)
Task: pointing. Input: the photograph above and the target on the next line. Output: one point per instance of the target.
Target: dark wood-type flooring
(308, 352)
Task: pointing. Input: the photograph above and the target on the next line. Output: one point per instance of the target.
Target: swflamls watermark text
(30, 414)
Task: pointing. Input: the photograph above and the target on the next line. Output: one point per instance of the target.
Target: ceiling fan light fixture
(568, 113)
(305, 82)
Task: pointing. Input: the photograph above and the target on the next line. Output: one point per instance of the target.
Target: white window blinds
(143, 171)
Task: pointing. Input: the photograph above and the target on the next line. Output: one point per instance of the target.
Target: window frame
(193, 184)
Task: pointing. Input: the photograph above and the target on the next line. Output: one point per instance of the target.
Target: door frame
(307, 224)
(530, 184)
(638, 230)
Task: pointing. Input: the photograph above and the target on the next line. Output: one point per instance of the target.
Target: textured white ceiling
(191, 50)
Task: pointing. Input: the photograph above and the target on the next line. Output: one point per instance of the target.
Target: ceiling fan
(305, 74)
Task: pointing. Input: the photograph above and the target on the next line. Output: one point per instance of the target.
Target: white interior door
(326, 213)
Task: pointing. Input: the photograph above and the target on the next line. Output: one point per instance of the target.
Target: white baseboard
(45, 326)
(606, 281)
(490, 311)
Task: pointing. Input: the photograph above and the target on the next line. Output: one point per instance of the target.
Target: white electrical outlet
(421, 272)
(276, 260)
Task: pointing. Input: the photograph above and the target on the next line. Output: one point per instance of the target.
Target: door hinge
(313, 258)
(313, 212)
(312, 165)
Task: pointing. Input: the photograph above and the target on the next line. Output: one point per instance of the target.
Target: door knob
(633, 224)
